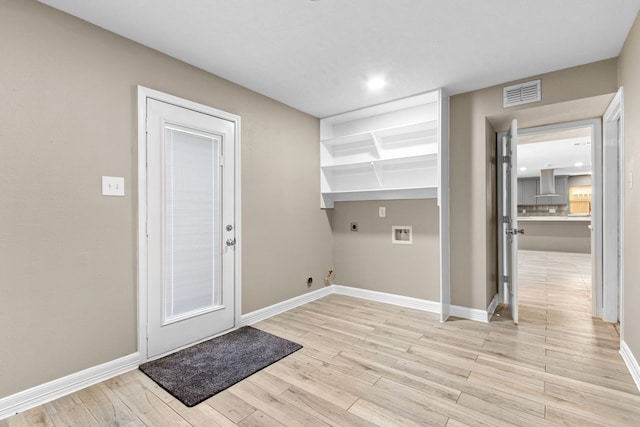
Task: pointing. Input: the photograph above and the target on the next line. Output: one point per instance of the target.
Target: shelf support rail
(377, 174)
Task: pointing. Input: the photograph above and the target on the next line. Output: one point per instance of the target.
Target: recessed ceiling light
(523, 168)
(578, 164)
(376, 83)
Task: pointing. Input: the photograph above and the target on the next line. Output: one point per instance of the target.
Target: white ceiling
(567, 152)
(317, 55)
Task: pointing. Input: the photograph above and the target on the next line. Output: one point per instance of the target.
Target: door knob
(231, 242)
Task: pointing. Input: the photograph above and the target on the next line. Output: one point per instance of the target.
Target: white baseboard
(409, 302)
(55, 389)
(631, 362)
(47, 392)
(492, 306)
(272, 310)
(469, 313)
(281, 307)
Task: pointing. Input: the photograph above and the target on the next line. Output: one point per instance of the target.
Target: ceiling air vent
(522, 93)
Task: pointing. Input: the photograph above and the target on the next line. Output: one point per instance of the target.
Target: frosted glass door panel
(192, 243)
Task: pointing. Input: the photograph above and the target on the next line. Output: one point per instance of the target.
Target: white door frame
(443, 205)
(143, 285)
(596, 211)
(613, 209)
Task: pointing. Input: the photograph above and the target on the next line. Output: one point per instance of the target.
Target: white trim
(631, 362)
(613, 187)
(409, 302)
(143, 94)
(55, 389)
(470, 313)
(281, 307)
(444, 205)
(142, 224)
(272, 310)
(403, 301)
(492, 306)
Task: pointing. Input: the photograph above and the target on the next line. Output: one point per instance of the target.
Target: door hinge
(506, 159)
(506, 219)
(505, 279)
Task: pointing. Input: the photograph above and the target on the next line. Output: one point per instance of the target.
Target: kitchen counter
(555, 233)
(554, 218)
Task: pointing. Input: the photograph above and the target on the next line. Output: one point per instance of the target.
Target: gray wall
(68, 255)
(367, 259)
(630, 80)
(571, 94)
(578, 180)
(558, 236)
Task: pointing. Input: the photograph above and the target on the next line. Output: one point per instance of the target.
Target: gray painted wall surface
(367, 259)
(560, 236)
(69, 116)
(630, 80)
(68, 268)
(475, 117)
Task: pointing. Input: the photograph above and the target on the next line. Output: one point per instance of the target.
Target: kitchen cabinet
(527, 192)
(580, 199)
(389, 151)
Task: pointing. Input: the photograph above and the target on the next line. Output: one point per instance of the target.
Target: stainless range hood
(547, 183)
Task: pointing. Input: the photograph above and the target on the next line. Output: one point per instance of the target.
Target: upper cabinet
(527, 191)
(389, 151)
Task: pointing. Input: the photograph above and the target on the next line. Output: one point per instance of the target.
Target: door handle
(231, 242)
(513, 231)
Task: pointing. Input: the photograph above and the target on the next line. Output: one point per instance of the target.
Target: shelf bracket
(375, 172)
(376, 143)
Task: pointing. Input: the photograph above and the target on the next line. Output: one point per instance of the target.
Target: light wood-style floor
(367, 363)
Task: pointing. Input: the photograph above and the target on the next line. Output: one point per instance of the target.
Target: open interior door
(509, 216)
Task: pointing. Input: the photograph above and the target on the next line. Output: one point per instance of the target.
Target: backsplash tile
(543, 210)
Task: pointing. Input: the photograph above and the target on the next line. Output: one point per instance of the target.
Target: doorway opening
(558, 198)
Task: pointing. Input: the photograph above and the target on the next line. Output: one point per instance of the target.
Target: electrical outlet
(112, 186)
(354, 226)
(552, 210)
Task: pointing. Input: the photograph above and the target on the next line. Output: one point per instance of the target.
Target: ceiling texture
(567, 152)
(317, 56)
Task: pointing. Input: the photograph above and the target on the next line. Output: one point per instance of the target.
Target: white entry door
(190, 226)
(509, 219)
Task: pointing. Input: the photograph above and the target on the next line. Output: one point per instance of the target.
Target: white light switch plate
(382, 211)
(112, 186)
